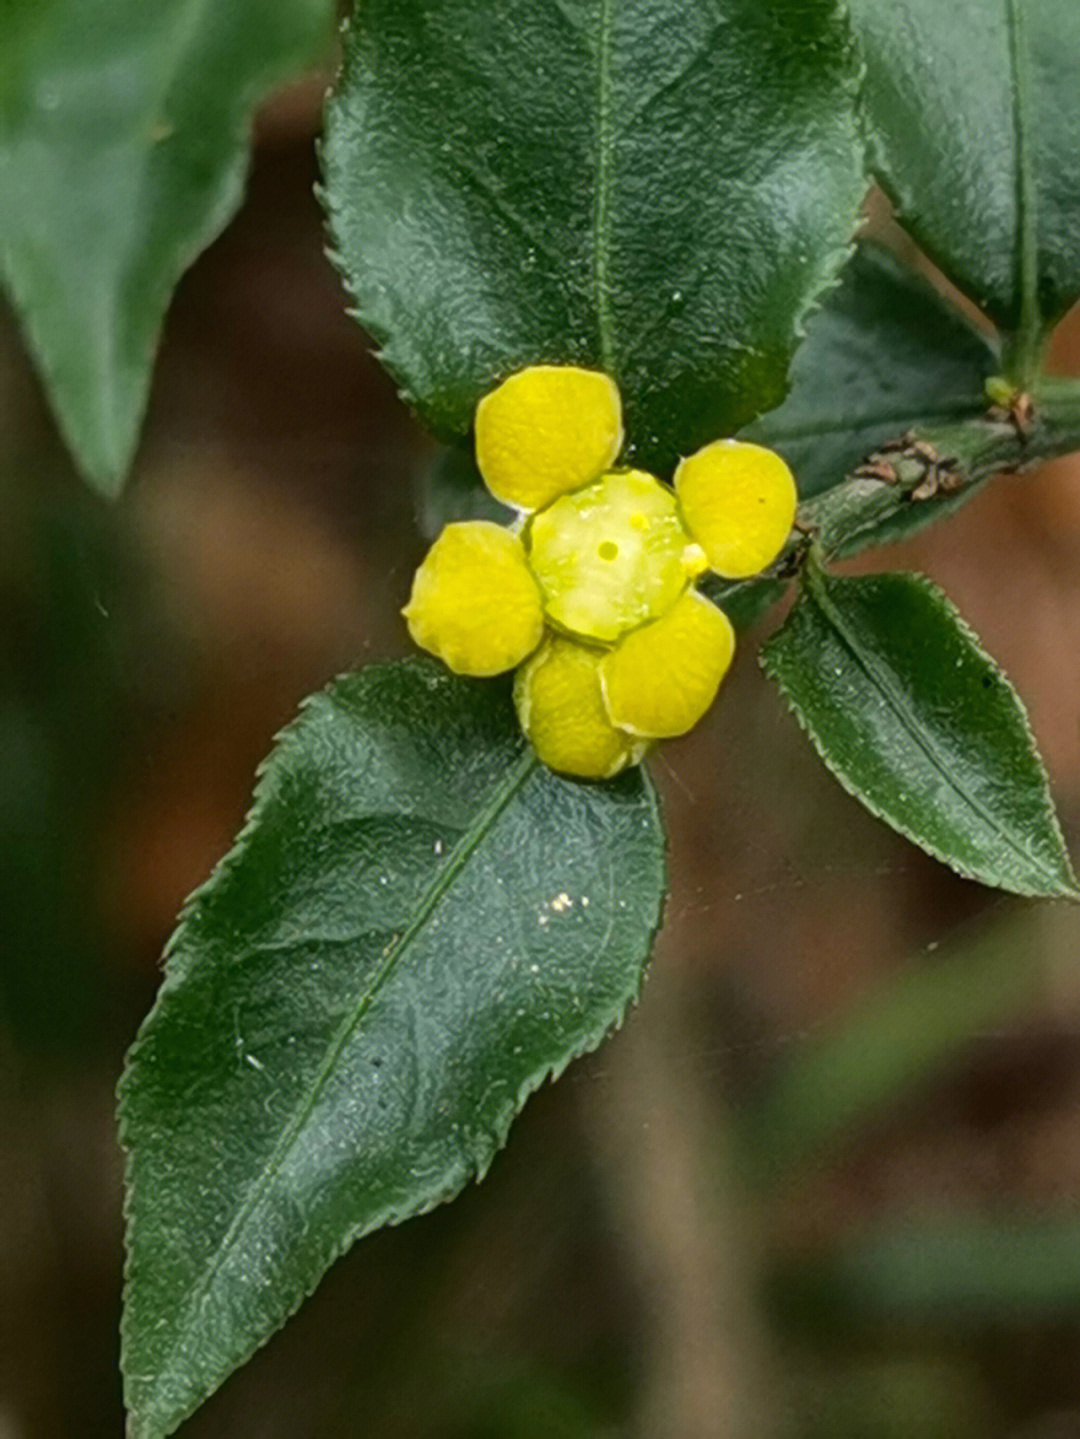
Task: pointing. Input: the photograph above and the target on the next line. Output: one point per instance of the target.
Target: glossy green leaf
(885, 354)
(123, 147)
(974, 114)
(918, 723)
(448, 488)
(744, 601)
(418, 925)
(656, 188)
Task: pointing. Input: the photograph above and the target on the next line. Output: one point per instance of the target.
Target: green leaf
(123, 147)
(892, 1043)
(974, 114)
(655, 188)
(449, 488)
(918, 723)
(744, 601)
(885, 354)
(418, 925)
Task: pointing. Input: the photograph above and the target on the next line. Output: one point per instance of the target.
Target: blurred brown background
(826, 1182)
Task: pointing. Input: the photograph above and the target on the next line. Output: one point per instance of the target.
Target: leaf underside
(448, 488)
(656, 188)
(974, 118)
(917, 722)
(885, 354)
(123, 147)
(418, 925)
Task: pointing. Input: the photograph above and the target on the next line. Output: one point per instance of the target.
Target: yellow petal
(738, 501)
(474, 602)
(660, 680)
(546, 431)
(610, 556)
(561, 710)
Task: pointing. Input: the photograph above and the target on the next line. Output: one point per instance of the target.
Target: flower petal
(474, 602)
(546, 431)
(738, 501)
(660, 680)
(561, 710)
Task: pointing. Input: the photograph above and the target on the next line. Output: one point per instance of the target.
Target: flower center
(610, 556)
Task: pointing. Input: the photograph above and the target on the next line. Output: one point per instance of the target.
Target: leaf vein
(869, 420)
(513, 217)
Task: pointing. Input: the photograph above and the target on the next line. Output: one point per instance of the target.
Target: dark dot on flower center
(608, 550)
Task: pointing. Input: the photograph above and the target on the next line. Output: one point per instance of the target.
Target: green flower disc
(610, 556)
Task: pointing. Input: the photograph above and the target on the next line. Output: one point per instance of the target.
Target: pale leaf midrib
(1027, 257)
(867, 421)
(918, 735)
(602, 205)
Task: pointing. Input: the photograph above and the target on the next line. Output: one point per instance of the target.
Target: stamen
(694, 561)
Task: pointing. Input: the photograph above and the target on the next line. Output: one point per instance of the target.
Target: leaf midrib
(960, 410)
(894, 698)
(602, 208)
(185, 31)
(1027, 258)
(488, 815)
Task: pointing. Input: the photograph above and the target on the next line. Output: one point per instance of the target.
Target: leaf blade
(975, 134)
(884, 354)
(448, 488)
(577, 191)
(917, 722)
(413, 932)
(123, 142)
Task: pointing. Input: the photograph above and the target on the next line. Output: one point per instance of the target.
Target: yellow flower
(592, 590)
